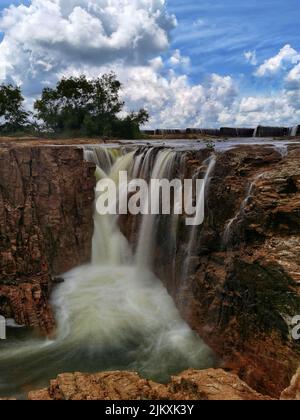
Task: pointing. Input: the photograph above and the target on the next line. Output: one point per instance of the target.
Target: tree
(129, 127)
(12, 115)
(90, 107)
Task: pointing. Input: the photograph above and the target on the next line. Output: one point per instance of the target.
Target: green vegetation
(75, 107)
(12, 115)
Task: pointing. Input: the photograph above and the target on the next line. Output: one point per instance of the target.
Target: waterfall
(192, 242)
(228, 231)
(294, 130)
(163, 169)
(109, 245)
(112, 314)
(283, 149)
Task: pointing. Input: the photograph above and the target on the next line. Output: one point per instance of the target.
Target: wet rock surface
(46, 225)
(190, 385)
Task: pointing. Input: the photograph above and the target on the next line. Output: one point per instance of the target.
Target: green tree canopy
(90, 107)
(12, 115)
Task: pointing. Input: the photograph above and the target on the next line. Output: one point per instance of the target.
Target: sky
(189, 63)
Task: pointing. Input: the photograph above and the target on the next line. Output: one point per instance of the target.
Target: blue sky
(228, 28)
(202, 57)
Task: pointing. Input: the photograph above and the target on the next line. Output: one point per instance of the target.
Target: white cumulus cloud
(287, 55)
(49, 35)
(173, 101)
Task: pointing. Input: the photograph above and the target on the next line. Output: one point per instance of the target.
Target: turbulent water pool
(109, 318)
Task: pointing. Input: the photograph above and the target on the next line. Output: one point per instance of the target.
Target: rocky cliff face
(190, 385)
(46, 225)
(242, 284)
(243, 287)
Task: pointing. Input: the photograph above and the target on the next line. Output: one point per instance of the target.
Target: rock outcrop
(292, 393)
(190, 385)
(46, 225)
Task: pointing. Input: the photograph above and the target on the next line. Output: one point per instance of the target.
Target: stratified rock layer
(46, 225)
(190, 385)
(239, 285)
(243, 286)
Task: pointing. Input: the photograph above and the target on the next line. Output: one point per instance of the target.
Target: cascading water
(228, 232)
(112, 314)
(163, 169)
(193, 237)
(294, 130)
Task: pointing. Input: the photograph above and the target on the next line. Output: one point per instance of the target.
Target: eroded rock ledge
(190, 385)
(46, 226)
